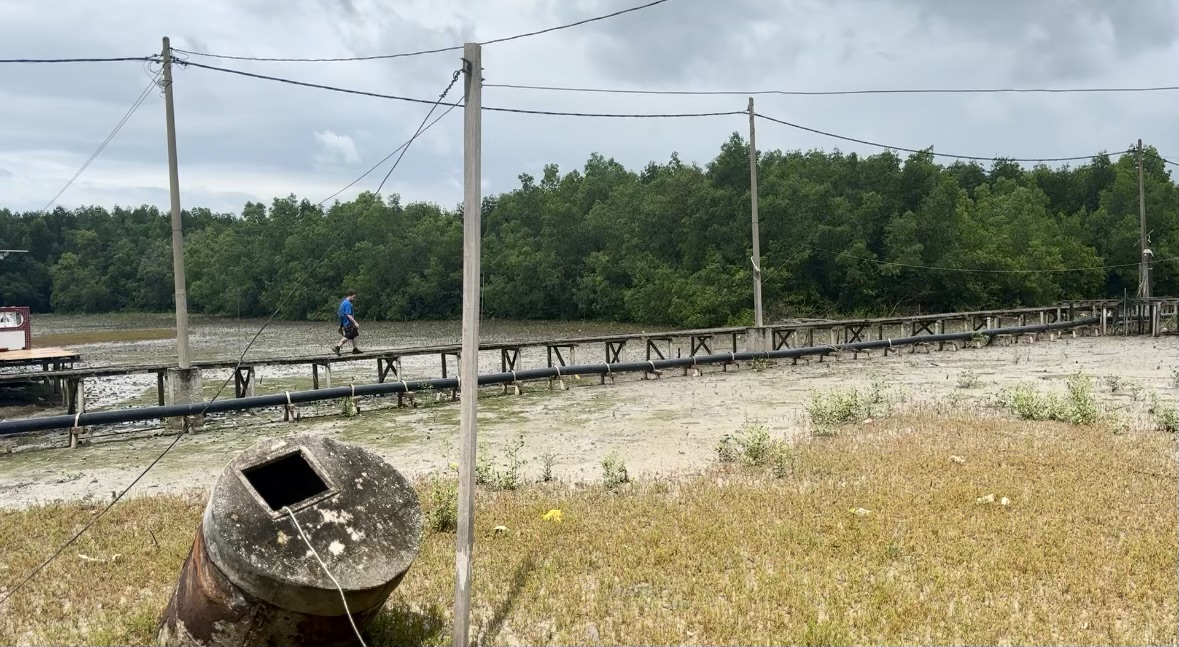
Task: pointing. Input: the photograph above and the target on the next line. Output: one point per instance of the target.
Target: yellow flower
(553, 515)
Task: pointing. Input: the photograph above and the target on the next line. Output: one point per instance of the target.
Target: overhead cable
(819, 93)
(437, 50)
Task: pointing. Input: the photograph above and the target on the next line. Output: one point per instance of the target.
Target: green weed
(614, 471)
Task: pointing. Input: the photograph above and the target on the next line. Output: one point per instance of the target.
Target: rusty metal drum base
(218, 613)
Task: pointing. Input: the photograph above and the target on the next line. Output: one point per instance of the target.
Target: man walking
(349, 328)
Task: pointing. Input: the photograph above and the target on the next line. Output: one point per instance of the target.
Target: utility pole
(757, 319)
(1143, 263)
(177, 234)
(469, 367)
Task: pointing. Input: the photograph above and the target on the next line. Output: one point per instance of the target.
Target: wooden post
(469, 365)
(757, 316)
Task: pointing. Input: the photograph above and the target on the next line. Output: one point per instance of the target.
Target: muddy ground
(657, 426)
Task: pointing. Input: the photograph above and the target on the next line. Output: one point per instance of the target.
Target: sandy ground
(657, 426)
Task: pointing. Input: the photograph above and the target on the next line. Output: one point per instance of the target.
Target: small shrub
(442, 515)
(1166, 418)
(726, 449)
(484, 469)
(614, 471)
(754, 444)
(547, 461)
(510, 478)
(1079, 406)
(760, 364)
(1113, 382)
(846, 406)
(835, 408)
(783, 462)
(968, 379)
(1030, 404)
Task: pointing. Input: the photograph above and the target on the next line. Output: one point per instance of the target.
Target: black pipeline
(299, 397)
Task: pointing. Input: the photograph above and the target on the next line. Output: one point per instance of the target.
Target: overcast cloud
(242, 139)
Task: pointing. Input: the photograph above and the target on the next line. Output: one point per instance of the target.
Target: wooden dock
(655, 345)
(48, 358)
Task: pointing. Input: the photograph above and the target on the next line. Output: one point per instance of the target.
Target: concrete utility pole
(469, 367)
(184, 382)
(757, 318)
(1143, 250)
(177, 233)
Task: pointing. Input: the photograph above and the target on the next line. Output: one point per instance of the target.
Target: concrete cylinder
(251, 578)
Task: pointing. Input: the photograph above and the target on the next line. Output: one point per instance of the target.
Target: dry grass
(1084, 554)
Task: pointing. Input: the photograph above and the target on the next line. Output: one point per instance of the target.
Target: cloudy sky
(244, 139)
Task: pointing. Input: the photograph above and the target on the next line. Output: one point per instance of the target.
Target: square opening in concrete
(286, 481)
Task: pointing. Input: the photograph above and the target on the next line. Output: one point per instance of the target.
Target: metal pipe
(299, 397)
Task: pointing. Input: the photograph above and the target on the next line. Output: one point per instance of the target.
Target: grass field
(875, 534)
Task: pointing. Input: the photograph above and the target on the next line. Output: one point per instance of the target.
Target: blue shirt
(343, 312)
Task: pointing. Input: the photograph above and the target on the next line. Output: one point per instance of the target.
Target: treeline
(668, 245)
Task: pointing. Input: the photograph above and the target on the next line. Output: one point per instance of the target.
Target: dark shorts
(349, 331)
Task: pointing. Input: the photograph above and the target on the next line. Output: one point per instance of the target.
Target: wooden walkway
(655, 345)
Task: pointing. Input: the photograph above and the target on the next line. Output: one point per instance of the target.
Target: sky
(241, 139)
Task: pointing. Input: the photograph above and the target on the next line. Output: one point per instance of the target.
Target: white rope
(653, 370)
(288, 398)
(558, 370)
(77, 418)
(513, 377)
(339, 588)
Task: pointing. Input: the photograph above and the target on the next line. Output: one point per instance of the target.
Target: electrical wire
(820, 93)
(77, 60)
(934, 153)
(421, 128)
(438, 50)
(574, 24)
(386, 158)
(318, 86)
(119, 126)
(314, 553)
(394, 97)
(237, 366)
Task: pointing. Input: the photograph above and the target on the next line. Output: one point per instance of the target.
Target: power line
(438, 50)
(386, 158)
(394, 97)
(914, 150)
(617, 115)
(793, 93)
(318, 86)
(574, 24)
(237, 365)
(119, 126)
(421, 127)
(78, 60)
